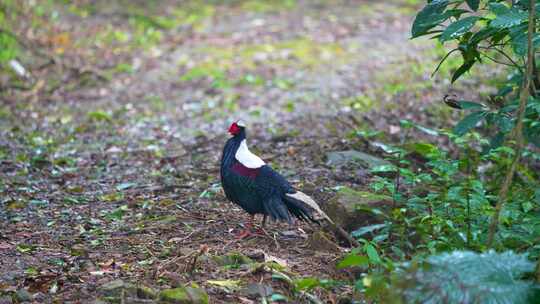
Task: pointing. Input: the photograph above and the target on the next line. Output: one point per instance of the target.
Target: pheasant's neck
(230, 149)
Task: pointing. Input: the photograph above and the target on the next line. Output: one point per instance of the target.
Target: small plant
(8, 41)
(467, 197)
(467, 277)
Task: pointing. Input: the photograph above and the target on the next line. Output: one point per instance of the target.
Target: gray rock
(257, 290)
(340, 158)
(320, 241)
(114, 288)
(115, 291)
(232, 259)
(344, 208)
(145, 292)
(22, 295)
(183, 295)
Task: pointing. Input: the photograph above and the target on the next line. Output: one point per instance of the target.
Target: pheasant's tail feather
(304, 205)
(276, 209)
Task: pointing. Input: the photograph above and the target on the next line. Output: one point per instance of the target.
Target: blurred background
(200, 63)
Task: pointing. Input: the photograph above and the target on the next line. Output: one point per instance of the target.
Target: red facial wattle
(234, 129)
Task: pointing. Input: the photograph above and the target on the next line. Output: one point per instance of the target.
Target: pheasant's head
(237, 127)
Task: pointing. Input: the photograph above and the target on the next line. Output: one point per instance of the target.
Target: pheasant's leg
(261, 230)
(247, 230)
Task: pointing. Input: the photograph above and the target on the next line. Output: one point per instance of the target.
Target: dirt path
(118, 179)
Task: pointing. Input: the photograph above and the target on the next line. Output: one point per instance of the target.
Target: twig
(515, 64)
(499, 62)
(340, 231)
(396, 183)
(203, 249)
(468, 189)
(442, 61)
(518, 130)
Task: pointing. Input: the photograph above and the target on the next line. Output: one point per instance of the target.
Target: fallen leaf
(124, 186)
(230, 284)
(107, 263)
(281, 262)
(99, 272)
(5, 245)
(245, 300)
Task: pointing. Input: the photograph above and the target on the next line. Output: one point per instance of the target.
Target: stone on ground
(344, 207)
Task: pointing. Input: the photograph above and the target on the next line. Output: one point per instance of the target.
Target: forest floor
(109, 162)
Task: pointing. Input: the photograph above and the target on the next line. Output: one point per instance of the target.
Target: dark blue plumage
(258, 190)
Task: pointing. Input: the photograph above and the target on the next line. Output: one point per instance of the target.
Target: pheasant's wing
(239, 185)
(269, 180)
(297, 203)
(271, 187)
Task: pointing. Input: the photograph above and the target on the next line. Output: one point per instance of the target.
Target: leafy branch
(518, 130)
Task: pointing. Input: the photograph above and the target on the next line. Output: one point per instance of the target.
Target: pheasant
(253, 185)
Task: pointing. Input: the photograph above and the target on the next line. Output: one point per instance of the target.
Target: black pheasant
(256, 187)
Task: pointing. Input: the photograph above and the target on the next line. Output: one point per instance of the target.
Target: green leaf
(469, 122)
(537, 195)
(25, 248)
(520, 42)
(428, 131)
(100, 116)
(483, 34)
(306, 283)
(466, 105)
(372, 254)
(509, 18)
(383, 169)
(367, 229)
(430, 16)
(278, 275)
(462, 69)
(276, 297)
(473, 4)
(229, 284)
(352, 260)
(124, 186)
(527, 206)
(118, 213)
(498, 8)
(495, 142)
(458, 28)
(8, 47)
(424, 149)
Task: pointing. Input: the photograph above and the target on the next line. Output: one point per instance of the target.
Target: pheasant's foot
(261, 231)
(244, 234)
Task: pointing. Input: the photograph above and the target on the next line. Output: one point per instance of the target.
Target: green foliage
(8, 42)
(458, 28)
(8, 47)
(469, 122)
(429, 17)
(468, 277)
(494, 31)
(444, 202)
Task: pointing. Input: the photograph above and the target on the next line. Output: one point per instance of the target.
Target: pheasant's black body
(258, 190)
